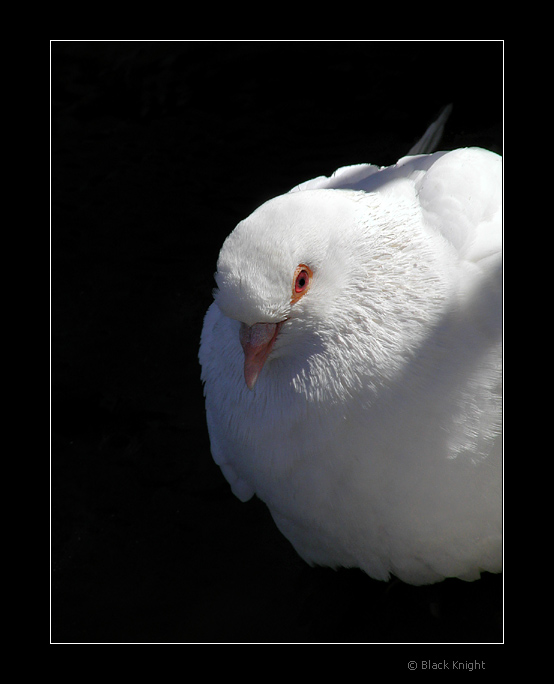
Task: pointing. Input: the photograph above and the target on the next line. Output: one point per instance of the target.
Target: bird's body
(352, 366)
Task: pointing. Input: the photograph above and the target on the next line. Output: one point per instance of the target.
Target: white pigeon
(351, 364)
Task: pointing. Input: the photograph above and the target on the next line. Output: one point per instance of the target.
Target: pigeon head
(283, 270)
(259, 263)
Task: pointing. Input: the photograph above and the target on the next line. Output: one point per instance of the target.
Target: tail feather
(431, 138)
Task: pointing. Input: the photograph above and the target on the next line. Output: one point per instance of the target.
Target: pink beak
(257, 342)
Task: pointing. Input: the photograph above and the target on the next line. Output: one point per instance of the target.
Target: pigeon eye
(301, 282)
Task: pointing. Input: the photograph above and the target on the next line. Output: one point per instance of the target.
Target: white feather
(373, 432)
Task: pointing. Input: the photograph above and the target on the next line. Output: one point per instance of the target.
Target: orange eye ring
(301, 282)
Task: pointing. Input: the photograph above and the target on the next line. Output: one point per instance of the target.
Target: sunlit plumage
(360, 396)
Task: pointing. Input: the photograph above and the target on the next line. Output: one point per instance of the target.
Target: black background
(158, 150)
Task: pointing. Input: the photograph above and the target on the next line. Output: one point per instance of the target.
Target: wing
(461, 197)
